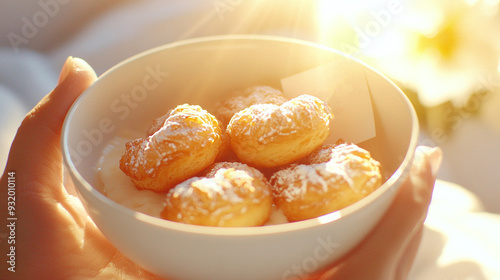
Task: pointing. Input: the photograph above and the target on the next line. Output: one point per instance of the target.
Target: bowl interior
(202, 71)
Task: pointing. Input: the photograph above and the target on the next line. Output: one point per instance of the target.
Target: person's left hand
(54, 237)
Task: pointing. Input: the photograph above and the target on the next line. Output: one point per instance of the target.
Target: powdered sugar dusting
(220, 187)
(255, 173)
(187, 127)
(219, 196)
(266, 122)
(326, 169)
(248, 97)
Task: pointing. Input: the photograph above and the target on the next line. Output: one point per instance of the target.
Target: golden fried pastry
(214, 168)
(187, 141)
(233, 195)
(225, 152)
(268, 135)
(336, 176)
(247, 97)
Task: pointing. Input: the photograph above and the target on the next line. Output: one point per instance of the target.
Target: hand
(389, 250)
(54, 237)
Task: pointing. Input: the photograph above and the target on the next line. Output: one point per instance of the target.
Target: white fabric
(460, 240)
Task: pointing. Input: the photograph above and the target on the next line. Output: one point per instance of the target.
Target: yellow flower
(441, 48)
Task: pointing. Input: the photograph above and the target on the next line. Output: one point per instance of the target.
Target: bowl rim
(85, 186)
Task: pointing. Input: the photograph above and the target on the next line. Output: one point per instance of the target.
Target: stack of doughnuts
(211, 167)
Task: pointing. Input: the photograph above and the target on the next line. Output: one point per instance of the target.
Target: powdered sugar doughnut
(179, 145)
(246, 98)
(268, 135)
(333, 177)
(233, 195)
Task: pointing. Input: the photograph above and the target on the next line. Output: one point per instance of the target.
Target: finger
(409, 209)
(407, 214)
(408, 257)
(36, 147)
(432, 162)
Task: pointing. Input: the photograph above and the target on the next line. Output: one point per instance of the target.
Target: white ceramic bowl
(198, 71)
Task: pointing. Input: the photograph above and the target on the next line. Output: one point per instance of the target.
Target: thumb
(36, 147)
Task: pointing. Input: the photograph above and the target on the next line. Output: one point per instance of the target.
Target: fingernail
(65, 70)
(435, 159)
(81, 65)
(424, 153)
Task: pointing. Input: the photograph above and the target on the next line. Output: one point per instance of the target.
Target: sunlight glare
(335, 21)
